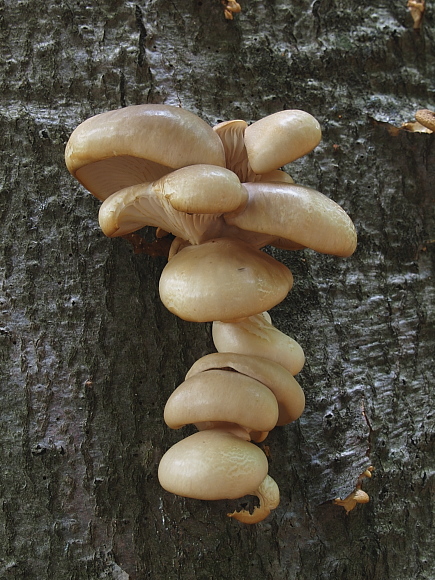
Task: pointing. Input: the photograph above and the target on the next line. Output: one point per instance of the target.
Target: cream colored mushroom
(138, 144)
(299, 214)
(222, 279)
(213, 464)
(257, 151)
(188, 203)
(350, 502)
(287, 391)
(225, 396)
(162, 166)
(257, 337)
(281, 138)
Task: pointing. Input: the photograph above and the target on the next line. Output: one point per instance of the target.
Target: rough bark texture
(89, 355)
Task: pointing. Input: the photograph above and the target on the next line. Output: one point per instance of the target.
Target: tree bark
(89, 354)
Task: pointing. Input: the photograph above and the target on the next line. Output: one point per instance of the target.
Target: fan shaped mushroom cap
(212, 465)
(188, 202)
(297, 213)
(140, 143)
(287, 391)
(281, 138)
(222, 279)
(222, 395)
(257, 337)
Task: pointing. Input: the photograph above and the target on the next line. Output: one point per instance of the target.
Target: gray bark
(89, 355)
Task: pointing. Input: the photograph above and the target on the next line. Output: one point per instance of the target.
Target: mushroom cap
(287, 391)
(257, 337)
(281, 138)
(212, 465)
(297, 213)
(136, 144)
(222, 279)
(426, 117)
(173, 203)
(222, 395)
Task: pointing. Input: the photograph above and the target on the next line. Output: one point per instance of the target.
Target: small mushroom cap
(136, 144)
(257, 337)
(173, 203)
(426, 118)
(212, 465)
(280, 139)
(287, 391)
(222, 395)
(297, 213)
(204, 189)
(222, 279)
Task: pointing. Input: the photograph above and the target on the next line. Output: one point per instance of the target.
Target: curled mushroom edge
(268, 494)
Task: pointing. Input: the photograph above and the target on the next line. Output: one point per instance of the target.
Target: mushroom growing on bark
(223, 196)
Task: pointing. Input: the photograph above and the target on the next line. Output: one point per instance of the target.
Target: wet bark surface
(89, 354)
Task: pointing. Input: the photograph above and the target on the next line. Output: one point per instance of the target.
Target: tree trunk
(89, 354)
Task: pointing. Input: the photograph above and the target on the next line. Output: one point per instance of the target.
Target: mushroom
(281, 138)
(350, 502)
(222, 279)
(258, 337)
(299, 214)
(138, 144)
(287, 391)
(188, 203)
(426, 117)
(257, 151)
(222, 396)
(213, 464)
(221, 193)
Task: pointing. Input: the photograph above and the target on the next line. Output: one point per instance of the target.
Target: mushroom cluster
(221, 194)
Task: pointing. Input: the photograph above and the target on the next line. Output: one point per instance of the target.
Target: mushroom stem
(268, 494)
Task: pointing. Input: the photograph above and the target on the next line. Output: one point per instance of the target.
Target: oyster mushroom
(188, 203)
(161, 166)
(256, 152)
(138, 144)
(222, 279)
(257, 336)
(213, 464)
(222, 396)
(298, 214)
(287, 391)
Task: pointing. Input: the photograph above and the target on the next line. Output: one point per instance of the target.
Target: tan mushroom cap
(222, 279)
(297, 213)
(281, 138)
(173, 203)
(212, 465)
(287, 391)
(257, 337)
(137, 144)
(426, 117)
(222, 395)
